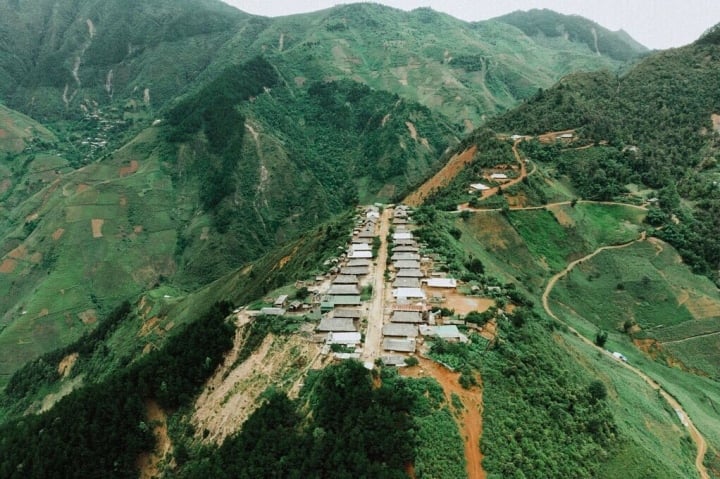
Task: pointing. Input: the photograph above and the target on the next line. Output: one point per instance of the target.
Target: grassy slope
(651, 430)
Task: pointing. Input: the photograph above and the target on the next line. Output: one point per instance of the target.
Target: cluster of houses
(411, 315)
(341, 305)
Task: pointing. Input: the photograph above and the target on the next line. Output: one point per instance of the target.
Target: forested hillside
(655, 126)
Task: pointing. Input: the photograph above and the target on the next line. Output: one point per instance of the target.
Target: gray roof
(410, 273)
(401, 345)
(405, 249)
(406, 317)
(346, 279)
(391, 360)
(345, 300)
(272, 311)
(344, 290)
(400, 329)
(347, 313)
(358, 262)
(406, 264)
(357, 270)
(405, 257)
(404, 242)
(406, 283)
(336, 324)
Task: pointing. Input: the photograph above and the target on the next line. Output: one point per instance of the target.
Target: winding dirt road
(684, 418)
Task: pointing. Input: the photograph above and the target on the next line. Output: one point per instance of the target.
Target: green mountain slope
(546, 23)
(660, 123)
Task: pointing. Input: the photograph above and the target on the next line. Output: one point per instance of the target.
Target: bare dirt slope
(441, 178)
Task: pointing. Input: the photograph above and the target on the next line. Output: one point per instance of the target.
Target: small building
(479, 187)
(412, 317)
(360, 254)
(405, 257)
(566, 136)
(343, 290)
(406, 264)
(405, 235)
(399, 345)
(406, 283)
(402, 330)
(355, 270)
(406, 242)
(351, 313)
(272, 311)
(361, 240)
(409, 293)
(409, 273)
(405, 249)
(366, 234)
(361, 247)
(350, 339)
(441, 282)
(393, 360)
(358, 262)
(400, 221)
(281, 301)
(498, 176)
(346, 300)
(448, 333)
(346, 279)
(336, 325)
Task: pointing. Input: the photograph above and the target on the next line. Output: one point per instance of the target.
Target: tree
(601, 338)
(597, 391)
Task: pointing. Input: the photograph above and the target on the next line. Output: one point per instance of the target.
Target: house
(346, 279)
(405, 235)
(449, 333)
(413, 317)
(479, 187)
(272, 311)
(351, 313)
(281, 301)
(400, 221)
(410, 273)
(405, 257)
(402, 330)
(366, 234)
(498, 176)
(441, 282)
(350, 339)
(355, 270)
(343, 290)
(404, 242)
(361, 240)
(345, 300)
(393, 360)
(406, 264)
(358, 262)
(336, 325)
(361, 247)
(566, 136)
(360, 254)
(410, 293)
(405, 249)
(406, 283)
(399, 345)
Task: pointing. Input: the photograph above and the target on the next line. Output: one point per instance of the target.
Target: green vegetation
(348, 418)
(94, 421)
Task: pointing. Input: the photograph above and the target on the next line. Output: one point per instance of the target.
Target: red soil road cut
(442, 178)
(470, 420)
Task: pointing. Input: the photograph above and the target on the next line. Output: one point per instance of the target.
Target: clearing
(97, 225)
(442, 178)
(470, 419)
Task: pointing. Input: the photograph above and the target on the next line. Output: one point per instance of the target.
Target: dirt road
(685, 419)
(465, 207)
(376, 312)
(470, 419)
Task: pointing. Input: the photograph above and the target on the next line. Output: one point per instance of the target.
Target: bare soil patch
(97, 224)
(137, 229)
(703, 307)
(715, 121)
(130, 169)
(148, 326)
(442, 178)
(18, 253)
(51, 399)
(232, 393)
(561, 215)
(43, 312)
(412, 129)
(57, 234)
(88, 316)
(470, 420)
(36, 257)
(82, 188)
(66, 364)
(205, 233)
(8, 266)
(461, 303)
(149, 463)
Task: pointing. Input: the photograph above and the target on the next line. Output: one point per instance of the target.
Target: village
(382, 298)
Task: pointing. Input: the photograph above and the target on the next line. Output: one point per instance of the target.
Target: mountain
(549, 25)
